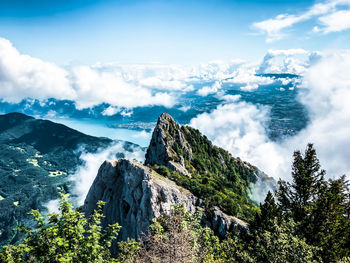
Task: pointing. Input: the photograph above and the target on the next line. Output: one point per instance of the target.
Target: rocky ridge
(135, 194)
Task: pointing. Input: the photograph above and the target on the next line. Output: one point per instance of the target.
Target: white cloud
(53, 206)
(285, 61)
(51, 114)
(230, 98)
(239, 126)
(326, 95)
(250, 87)
(206, 90)
(273, 27)
(109, 111)
(333, 16)
(94, 87)
(22, 76)
(143, 134)
(125, 87)
(335, 22)
(185, 108)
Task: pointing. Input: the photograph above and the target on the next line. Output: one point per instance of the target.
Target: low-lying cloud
(124, 87)
(23, 77)
(326, 93)
(239, 127)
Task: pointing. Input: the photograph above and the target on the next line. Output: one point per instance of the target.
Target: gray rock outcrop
(166, 136)
(135, 194)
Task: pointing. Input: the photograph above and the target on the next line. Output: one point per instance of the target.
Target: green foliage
(65, 237)
(269, 213)
(280, 244)
(214, 190)
(128, 251)
(272, 239)
(178, 237)
(29, 150)
(320, 208)
(297, 197)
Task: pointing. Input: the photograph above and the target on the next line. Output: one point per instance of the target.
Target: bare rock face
(135, 195)
(166, 140)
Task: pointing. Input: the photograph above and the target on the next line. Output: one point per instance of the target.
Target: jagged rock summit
(167, 140)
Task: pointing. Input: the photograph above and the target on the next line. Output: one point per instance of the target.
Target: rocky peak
(189, 158)
(168, 145)
(134, 195)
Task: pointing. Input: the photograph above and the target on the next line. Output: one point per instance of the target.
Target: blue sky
(181, 32)
(277, 36)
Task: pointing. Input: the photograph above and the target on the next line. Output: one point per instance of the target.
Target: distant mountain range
(36, 158)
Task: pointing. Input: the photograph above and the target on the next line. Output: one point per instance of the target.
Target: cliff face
(135, 195)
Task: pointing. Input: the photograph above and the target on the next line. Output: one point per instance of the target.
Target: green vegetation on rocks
(212, 173)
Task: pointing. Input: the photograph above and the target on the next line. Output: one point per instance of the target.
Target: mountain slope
(184, 155)
(36, 157)
(181, 166)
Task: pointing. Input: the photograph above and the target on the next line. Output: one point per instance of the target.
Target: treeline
(306, 220)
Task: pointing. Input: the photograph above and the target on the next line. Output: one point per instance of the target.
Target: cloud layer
(22, 77)
(124, 87)
(239, 126)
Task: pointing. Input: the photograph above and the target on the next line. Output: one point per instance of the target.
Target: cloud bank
(326, 95)
(124, 87)
(239, 127)
(22, 77)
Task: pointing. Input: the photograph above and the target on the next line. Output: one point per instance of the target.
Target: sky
(132, 54)
(172, 32)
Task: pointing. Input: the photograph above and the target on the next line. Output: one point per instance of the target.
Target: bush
(64, 237)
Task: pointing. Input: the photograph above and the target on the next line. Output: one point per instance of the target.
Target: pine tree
(331, 226)
(297, 198)
(268, 215)
(319, 208)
